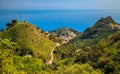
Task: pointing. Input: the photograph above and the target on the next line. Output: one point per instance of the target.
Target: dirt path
(51, 60)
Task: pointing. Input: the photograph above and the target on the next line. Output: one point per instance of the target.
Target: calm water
(53, 19)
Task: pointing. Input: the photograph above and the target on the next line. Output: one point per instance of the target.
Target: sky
(59, 4)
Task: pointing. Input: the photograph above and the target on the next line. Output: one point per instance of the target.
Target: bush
(78, 69)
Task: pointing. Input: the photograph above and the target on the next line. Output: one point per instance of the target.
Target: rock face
(65, 34)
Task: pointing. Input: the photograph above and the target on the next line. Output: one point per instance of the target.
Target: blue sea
(53, 19)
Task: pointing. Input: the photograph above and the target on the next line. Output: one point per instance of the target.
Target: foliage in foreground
(78, 69)
(10, 63)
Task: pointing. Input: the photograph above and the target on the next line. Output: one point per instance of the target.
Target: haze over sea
(54, 19)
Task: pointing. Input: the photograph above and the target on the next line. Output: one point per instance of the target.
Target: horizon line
(57, 9)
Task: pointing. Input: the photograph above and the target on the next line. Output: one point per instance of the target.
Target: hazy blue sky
(59, 4)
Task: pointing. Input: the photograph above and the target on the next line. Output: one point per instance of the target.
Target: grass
(27, 35)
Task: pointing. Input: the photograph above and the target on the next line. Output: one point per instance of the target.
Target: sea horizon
(52, 19)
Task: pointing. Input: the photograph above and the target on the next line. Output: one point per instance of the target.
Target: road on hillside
(51, 60)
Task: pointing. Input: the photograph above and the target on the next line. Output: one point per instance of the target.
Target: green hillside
(30, 39)
(25, 49)
(91, 36)
(101, 29)
(97, 46)
(105, 55)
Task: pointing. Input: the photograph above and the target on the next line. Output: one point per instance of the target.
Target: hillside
(25, 49)
(30, 38)
(103, 24)
(103, 55)
(65, 33)
(91, 36)
(97, 46)
(101, 29)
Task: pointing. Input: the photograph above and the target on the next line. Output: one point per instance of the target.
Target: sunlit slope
(29, 37)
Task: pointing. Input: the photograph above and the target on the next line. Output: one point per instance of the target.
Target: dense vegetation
(11, 63)
(29, 46)
(97, 46)
(105, 55)
(91, 36)
(25, 49)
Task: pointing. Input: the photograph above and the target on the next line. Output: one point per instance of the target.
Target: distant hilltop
(107, 23)
(65, 33)
(102, 25)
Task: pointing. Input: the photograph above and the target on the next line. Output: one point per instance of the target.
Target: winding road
(51, 60)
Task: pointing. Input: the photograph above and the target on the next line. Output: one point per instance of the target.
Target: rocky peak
(106, 23)
(106, 20)
(102, 25)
